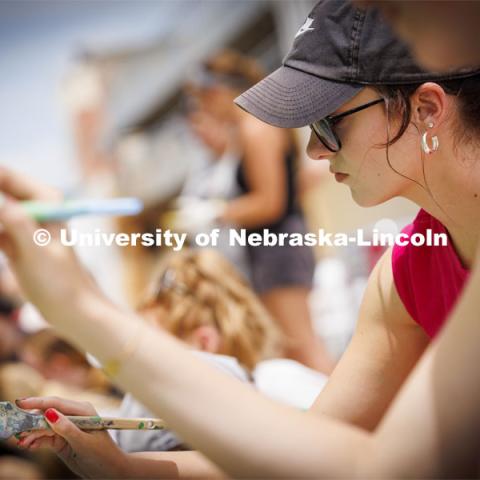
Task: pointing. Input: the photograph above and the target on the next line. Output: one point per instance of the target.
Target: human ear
(206, 338)
(429, 106)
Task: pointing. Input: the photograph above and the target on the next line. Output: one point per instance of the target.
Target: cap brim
(290, 98)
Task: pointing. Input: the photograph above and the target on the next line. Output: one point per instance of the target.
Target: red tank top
(429, 279)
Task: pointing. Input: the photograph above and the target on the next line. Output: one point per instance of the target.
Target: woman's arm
(433, 426)
(384, 349)
(264, 149)
(241, 431)
(186, 464)
(430, 430)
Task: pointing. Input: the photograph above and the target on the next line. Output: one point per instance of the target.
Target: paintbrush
(14, 420)
(61, 211)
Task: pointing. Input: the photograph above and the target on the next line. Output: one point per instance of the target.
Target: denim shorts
(282, 266)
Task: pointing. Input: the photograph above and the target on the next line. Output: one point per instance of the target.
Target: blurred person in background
(443, 34)
(14, 464)
(199, 297)
(34, 360)
(56, 359)
(18, 379)
(45, 364)
(11, 335)
(266, 178)
(209, 184)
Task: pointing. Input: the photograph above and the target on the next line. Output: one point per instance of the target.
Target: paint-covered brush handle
(112, 423)
(14, 420)
(103, 423)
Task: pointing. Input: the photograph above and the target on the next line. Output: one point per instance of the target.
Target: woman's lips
(340, 177)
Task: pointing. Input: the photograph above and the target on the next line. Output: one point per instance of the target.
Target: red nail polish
(51, 415)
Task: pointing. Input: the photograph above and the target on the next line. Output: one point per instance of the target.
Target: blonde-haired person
(267, 198)
(200, 298)
(197, 291)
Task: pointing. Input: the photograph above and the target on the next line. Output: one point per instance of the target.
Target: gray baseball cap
(338, 51)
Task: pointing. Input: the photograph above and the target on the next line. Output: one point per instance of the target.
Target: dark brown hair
(235, 64)
(467, 91)
(45, 344)
(466, 124)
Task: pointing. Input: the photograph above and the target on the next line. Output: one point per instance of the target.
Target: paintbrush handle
(112, 423)
(60, 211)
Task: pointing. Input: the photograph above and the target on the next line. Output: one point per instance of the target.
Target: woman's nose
(316, 150)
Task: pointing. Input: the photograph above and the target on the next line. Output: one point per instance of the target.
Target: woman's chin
(365, 200)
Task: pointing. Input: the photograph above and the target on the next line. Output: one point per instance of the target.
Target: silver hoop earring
(426, 148)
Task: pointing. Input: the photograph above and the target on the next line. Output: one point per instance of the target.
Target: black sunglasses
(324, 128)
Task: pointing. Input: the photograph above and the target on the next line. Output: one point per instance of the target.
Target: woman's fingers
(22, 187)
(16, 224)
(55, 443)
(6, 244)
(27, 440)
(63, 427)
(67, 407)
(43, 439)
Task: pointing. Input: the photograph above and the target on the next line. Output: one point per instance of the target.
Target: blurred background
(93, 102)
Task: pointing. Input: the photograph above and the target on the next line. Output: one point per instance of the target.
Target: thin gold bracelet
(112, 367)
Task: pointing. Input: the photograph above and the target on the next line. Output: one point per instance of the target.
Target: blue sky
(37, 41)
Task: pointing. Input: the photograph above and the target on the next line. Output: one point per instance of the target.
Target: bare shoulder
(381, 303)
(386, 345)
(254, 131)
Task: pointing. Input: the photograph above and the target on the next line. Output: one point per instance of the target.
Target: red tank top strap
(428, 278)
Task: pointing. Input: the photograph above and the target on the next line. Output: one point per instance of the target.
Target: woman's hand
(88, 454)
(50, 276)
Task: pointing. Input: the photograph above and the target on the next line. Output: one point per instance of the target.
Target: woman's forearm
(171, 465)
(253, 210)
(245, 434)
(242, 432)
(248, 435)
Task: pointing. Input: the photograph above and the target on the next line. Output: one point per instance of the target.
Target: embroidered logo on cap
(306, 27)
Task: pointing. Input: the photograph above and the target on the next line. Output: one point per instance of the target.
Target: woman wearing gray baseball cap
(388, 129)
